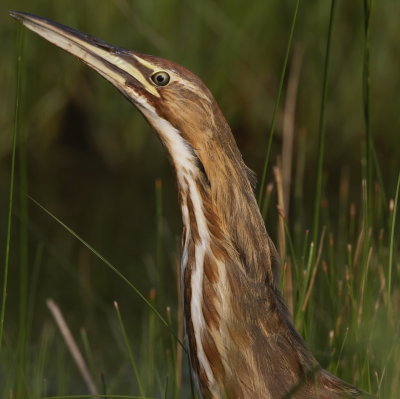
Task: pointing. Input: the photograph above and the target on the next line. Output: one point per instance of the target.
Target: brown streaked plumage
(241, 339)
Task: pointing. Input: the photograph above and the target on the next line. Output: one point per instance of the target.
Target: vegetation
(88, 210)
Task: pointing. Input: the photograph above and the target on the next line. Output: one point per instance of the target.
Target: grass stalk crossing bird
(241, 339)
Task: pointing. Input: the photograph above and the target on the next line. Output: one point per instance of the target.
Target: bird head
(174, 100)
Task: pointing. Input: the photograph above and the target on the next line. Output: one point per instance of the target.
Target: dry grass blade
(287, 267)
(362, 288)
(72, 346)
(314, 272)
(281, 213)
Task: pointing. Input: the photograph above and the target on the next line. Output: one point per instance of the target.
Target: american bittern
(242, 342)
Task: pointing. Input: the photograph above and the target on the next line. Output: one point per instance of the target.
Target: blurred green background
(93, 161)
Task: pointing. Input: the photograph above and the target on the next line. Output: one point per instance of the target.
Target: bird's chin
(136, 96)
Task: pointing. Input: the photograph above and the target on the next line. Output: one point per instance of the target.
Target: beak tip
(13, 14)
(22, 16)
(16, 15)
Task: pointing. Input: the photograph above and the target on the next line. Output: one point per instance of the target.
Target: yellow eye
(160, 78)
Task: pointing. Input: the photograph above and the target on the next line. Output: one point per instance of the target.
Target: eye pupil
(160, 78)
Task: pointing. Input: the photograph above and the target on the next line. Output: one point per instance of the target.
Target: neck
(224, 240)
(216, 196)
(228, 201)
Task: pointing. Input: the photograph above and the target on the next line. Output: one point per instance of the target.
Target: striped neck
(196, 266)
(195, 248)
(219, 215)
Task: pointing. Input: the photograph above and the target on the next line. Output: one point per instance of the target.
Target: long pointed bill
(119, 66)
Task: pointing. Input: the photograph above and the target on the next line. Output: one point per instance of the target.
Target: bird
(241, 340)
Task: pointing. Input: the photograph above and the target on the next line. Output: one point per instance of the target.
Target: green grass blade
(12, 179)
(129, 349)
(391, 240)
(276, 106)
(113, 268)
(367, 105)
(321, 128)
(341, 351)
(23, 253)
(159, 227)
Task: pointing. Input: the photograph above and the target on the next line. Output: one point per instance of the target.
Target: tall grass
(367, 104)
(12, 182)
(340, 263)
(321, 126)
(262, 193)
